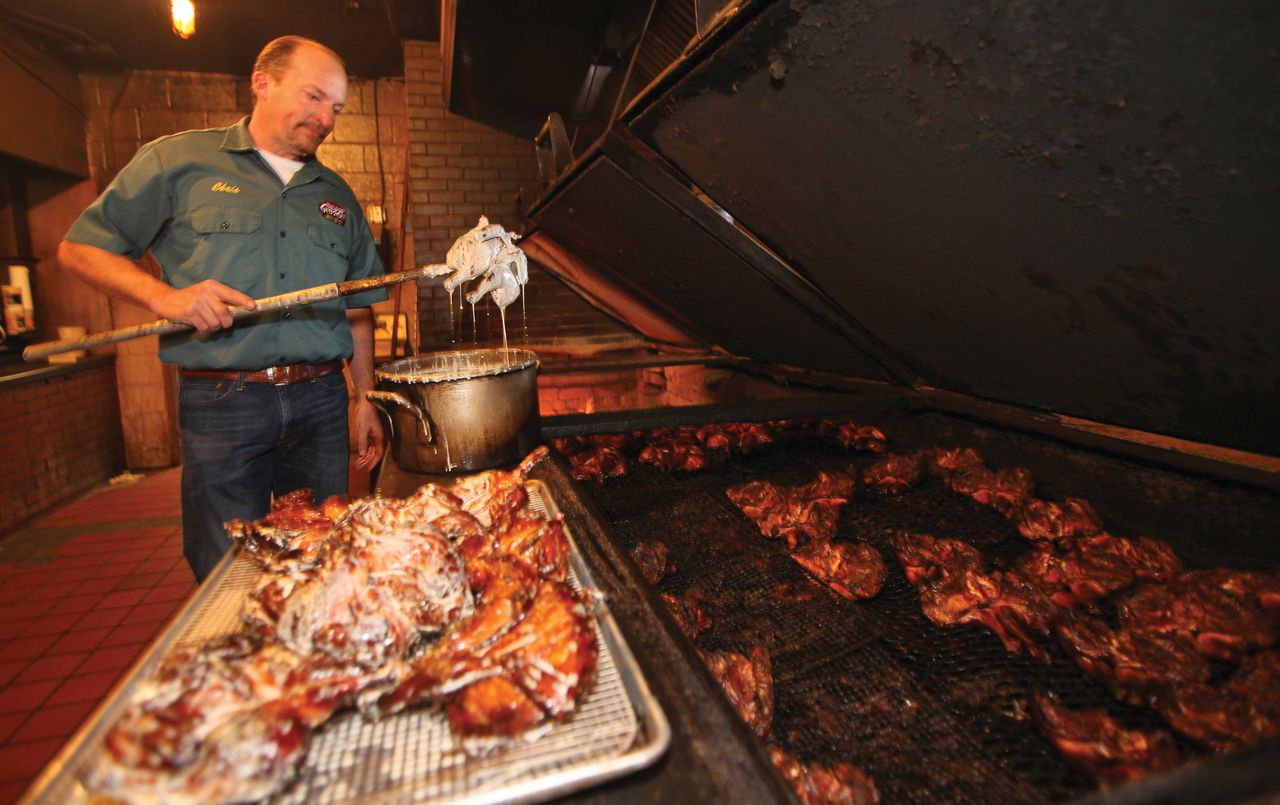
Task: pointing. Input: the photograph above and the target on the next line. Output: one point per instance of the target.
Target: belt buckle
(277, 378)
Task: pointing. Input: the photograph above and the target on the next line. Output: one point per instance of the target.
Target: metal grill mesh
(413, 756)
(933, 714)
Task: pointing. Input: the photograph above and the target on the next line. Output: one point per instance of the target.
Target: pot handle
(381, 398)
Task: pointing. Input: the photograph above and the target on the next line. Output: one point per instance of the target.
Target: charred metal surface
(1064, 206)
(933, 714)
(667, 258)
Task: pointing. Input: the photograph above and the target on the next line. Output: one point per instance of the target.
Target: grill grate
(413, 756)
(933, 714)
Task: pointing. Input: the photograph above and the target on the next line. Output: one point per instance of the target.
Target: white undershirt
(285, 168)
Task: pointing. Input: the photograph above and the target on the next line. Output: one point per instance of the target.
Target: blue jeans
(244, 442)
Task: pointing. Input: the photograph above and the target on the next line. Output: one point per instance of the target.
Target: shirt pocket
(227, 245)
(329, 252)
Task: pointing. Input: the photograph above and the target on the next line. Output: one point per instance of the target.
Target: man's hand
(367, 429)
(203, 305)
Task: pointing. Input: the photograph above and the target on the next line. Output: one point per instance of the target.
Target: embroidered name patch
(223, 187)
(334, 212)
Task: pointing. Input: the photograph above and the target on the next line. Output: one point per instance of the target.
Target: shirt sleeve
(363, 262)
(133, 209)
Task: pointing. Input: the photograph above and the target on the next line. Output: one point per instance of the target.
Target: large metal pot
(460, 411)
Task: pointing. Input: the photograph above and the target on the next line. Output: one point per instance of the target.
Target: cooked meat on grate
(1074, 578)
(852, 434)
(897, 472)
(596, 457)
(1136, 666)
(946, 461)
(1003, 490)
(795, 513)
(1093, 742)
(853, 570)
(1056, 521)
(598, 463)
(674, 449)
(1243, 711)
(817, 784)
(654, 560)
(688, 613)
(1220, 609)
(748, 682)
(741, 437)
(954, 590)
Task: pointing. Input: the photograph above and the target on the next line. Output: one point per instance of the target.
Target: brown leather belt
(276, 375)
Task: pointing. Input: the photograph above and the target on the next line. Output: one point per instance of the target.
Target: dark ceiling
(117, 34)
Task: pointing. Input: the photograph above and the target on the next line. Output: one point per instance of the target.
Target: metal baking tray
(412, 756)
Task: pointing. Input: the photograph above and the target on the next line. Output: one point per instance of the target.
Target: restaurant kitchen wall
(126, 110)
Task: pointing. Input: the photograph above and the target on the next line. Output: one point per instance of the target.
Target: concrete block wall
(62, 437)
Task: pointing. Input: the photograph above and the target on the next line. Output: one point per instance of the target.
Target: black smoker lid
(1069, 207)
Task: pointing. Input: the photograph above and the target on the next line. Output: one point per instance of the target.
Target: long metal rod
(307, 296)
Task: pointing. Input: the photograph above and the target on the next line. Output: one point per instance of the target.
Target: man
(231, 215)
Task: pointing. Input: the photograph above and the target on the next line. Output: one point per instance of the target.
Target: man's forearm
(361, 363)
(113, 274)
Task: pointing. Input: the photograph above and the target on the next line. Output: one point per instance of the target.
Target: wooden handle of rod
(307, 296)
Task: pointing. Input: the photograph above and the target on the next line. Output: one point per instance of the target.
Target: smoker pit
(932, 714)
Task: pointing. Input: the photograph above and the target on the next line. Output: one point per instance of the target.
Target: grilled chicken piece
(599, 463)
(955, 590)
(1221, 610)
(1003, 490)
(292, 533)
(897, 472)
(654, 560)
(1093, 742)
(688, 613)
(741, 437)
(1056, 521)
(748, 682)
(385, 581)
(797, 514)
(944, 461)
(496, 496)
(227, 723)
(674, 449)
(549, 657)
(852, 434)
(595, 458)
(1072, 579)
(1245, 710)
(816, 784)
(1136, 666)
(853, 570)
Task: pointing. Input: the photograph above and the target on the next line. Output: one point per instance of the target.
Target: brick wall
(60, 436)
(461, 169)
(126, 110)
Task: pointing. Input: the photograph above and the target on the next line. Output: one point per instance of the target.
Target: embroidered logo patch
(223, 187)
(334, 212)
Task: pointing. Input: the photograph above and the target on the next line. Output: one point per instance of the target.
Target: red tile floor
(83, 590)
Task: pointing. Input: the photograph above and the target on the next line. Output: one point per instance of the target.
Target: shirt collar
(237, 139)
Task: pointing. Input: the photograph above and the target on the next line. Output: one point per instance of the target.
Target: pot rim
(458, 364)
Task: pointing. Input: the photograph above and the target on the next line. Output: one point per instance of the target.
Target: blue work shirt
(209, 207)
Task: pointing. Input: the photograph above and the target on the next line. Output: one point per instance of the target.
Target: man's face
(296, 112)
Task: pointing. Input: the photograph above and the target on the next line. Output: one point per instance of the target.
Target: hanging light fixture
(184, 18)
